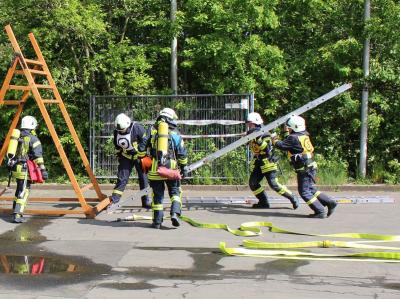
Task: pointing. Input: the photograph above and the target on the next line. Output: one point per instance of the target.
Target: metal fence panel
(206, 122)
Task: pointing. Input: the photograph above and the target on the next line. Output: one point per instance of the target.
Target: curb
(360, 188)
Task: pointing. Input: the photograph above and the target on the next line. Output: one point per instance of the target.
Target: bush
(331, 172)
(393, 177)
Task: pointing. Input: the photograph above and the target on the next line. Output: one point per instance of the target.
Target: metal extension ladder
(244, 140)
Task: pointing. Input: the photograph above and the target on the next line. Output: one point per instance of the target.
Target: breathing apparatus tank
(162, 141)
(13, 145)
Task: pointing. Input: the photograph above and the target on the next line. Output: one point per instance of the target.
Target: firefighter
(264, 164)
(127, 136)
(301, 155)
(23, 147)
(166, 148)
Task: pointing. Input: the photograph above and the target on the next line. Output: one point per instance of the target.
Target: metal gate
(206, 122)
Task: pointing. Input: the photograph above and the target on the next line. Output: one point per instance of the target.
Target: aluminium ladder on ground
(244, 140)
(33, 69)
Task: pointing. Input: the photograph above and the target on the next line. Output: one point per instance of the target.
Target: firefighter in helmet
(301, 155)
(24, 145)
(166, 149)
(127, 136)
(263, 164)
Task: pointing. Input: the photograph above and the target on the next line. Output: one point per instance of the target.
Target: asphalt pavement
(75, 257)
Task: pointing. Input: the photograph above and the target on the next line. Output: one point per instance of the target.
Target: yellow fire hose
(254, 248)
(391, 257)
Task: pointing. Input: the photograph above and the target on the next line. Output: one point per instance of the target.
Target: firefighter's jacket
(126, 144)
(175, 158)
(300, 150)
(263, 152)
(29, 148)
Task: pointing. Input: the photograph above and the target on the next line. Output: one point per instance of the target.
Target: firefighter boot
(262, 201)
(318, 209)
(175, 219)
(331, 208)
(18, 218)
(327, 202)
(156, 225)
(146, 203)
(293, 199)
(158, 216)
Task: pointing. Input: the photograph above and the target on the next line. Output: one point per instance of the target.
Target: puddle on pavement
(21, 257)
(392, 286)
(24, 263)
(26, 232)
(129, 286)
(281, 266)
(34, 265)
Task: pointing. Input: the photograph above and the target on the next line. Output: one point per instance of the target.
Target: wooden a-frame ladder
(32, 68)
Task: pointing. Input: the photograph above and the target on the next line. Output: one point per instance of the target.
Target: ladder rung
(37, 72)
(11, 102)
(19, 87)
(44, 86)
(33, 61)
(50, 101)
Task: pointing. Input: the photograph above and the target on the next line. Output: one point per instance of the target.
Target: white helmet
(254, 118)
(169, 113)
(29, 122)
(296, 123)
(122, 122)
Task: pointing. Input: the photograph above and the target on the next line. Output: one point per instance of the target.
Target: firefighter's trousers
(307, 190)
(256, 177)
(21, 196)
(175, 194)
(125, 167)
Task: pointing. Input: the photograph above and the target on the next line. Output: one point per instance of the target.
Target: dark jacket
(30, 147)
(300, 149)
(128, 146)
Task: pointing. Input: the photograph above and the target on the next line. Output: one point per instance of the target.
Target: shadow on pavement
(116, 223)
(254, 212)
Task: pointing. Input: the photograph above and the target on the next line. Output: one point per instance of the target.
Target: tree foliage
(286, 52)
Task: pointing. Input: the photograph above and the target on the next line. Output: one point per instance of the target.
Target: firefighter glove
(184, 172)
(45, 175)
(10, 164)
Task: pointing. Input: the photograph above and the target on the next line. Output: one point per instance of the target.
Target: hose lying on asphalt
(254, 248)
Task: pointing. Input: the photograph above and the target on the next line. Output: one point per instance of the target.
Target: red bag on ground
(170, 174)
(34, 172)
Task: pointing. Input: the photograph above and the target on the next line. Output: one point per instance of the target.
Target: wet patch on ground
(392, 286)
(129, 286)
(206, 267)
(26, 232)
(34, 265)
(281, 266)
(24, 262)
